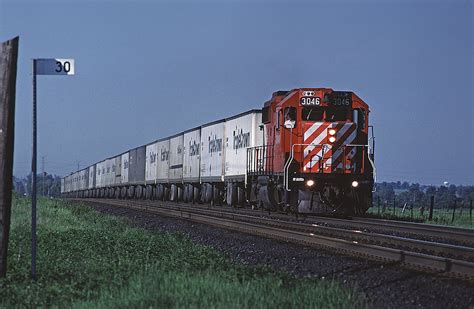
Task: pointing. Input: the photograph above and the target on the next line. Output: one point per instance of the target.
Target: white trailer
(100, 174)
(151, 163)
(92, 175)
(62, 185)
(191, 155)
(176, 158)
(241, 132)
(108, 173)
(83, 178)
(117, 169)
(162, 166)
(124, 168)
(212, 151)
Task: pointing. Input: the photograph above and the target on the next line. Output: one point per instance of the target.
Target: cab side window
(358, 116)
(290, 114)
(278, 121)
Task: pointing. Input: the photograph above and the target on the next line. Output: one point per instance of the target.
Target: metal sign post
(42, 67)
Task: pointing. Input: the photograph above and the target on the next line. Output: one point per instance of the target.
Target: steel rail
(440, 249)
(287, 231)
(453, 234)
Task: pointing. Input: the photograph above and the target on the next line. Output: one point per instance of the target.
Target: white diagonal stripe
(348, 140)
(316, 141)
(311, 130)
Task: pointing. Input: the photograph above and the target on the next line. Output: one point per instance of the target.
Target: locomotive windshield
(329, 114)
(336, 114)
(312, 113)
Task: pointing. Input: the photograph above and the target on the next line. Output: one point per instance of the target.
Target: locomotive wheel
(240, 196)
(361, 201)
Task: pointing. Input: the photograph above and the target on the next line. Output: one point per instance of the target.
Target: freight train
(307, 150)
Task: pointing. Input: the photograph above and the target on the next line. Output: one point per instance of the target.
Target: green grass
(440, 216)
(87, 259)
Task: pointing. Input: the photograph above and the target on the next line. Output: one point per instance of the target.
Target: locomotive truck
(309, 150)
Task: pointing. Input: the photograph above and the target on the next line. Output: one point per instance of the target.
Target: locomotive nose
(328, 146)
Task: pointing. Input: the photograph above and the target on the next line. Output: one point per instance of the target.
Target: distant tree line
(46, 185)
(417, 195)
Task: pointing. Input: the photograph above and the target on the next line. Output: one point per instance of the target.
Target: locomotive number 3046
(310, 101)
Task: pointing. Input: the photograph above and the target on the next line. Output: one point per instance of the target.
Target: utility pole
(78, 165)
(8, 69)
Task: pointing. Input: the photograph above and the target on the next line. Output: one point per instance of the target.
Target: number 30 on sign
(55, 66)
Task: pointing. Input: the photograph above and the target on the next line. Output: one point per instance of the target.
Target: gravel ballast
(383, 285)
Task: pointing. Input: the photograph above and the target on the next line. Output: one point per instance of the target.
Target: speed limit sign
(55, 66)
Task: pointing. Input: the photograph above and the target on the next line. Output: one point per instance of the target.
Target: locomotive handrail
(290, 159)
(374, 170)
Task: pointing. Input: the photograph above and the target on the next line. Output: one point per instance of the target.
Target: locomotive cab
(318, 158)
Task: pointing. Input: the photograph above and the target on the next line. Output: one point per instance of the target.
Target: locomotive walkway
(432, 256)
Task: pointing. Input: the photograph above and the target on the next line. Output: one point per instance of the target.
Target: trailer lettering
(215, 144)
(164, 155)
(241, 140)
(152, 157)
(193, 148)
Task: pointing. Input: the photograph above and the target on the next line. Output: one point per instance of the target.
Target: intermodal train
(308, 150)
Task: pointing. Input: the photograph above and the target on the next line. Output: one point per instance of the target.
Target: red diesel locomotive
(317, 155)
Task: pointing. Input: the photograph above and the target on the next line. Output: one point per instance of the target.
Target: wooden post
(454, 211)
(8, 65)
(470, 212)
(394, 214)
(431, 208)
(378, 204)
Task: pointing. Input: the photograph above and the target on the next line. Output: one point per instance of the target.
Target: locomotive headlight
(310, 183)
(332, 132)
(332, 139)
(355, 184)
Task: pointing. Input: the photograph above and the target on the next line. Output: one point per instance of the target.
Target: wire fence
(458, 213)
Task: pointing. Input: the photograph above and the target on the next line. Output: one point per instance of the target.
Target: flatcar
(308, 150)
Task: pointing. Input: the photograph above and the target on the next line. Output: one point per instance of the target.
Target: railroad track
(446, 259)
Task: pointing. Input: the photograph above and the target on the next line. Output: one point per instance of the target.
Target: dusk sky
(148, 70)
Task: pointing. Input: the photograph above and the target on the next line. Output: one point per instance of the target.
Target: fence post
(470, 212)
(454, 211)
(8, 66)
(394, 206)
(431, 208)
(378, 204)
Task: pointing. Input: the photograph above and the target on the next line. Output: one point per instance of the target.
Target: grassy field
(440, 216)
(87, 259)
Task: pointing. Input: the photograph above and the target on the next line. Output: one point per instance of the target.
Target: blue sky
(146, 70)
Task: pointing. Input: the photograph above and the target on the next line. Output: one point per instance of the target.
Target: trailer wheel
(196, 196)
(240, 196)
(231, 196)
